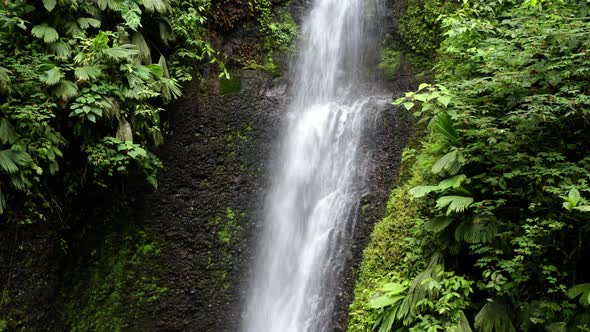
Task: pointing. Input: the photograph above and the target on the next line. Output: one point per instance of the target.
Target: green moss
(231, 85)
(228, 226)
(118, 289)
(383, 256)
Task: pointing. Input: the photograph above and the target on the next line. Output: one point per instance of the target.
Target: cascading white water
(312, 204)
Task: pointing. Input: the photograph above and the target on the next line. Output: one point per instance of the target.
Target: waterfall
(318, 181)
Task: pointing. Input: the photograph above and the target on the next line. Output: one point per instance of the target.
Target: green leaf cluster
(503, 173)
(82, 85)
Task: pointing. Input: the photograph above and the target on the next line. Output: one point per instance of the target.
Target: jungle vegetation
(488, 228)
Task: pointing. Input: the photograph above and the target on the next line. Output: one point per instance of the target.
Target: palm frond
(65, 90)
(8, 134)
(45, 32)
(144, 50)
(5, 80)
(493, 317)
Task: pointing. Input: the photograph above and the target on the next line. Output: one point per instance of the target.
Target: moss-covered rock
(119, 287)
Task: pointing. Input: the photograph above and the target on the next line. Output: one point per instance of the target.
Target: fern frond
(166, 34)
(462, 326)
(2, 202)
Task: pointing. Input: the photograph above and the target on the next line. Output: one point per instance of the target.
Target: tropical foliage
(499, 238)
(82, 87)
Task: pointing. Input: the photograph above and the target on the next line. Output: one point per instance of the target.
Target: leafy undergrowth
(500, 239)
(82, 88)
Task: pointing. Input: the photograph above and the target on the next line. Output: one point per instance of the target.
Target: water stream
(314, 198)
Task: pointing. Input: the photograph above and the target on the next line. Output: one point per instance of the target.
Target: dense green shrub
(82, 87)
(506, 196)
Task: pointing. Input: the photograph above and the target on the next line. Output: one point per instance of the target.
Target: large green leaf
(438, 224)
(49, 4)
(582, 290)
(449, 163)
(452, 182)
(421, 191)
(384, 301)
(45, 32)
(443, 125)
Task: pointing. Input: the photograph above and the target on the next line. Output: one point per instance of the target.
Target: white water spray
(314, 198)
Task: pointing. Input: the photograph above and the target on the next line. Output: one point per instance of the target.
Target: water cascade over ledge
(319, 178)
